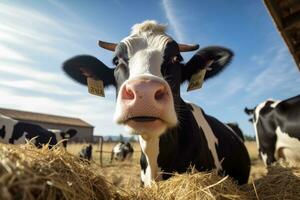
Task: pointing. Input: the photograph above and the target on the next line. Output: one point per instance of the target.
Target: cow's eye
(115, 61)
(176, 59)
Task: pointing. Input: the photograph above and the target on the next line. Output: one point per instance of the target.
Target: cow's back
(206, 143)
(286, 120)
(225, 146)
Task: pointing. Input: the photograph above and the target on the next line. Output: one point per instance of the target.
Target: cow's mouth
(143, 119)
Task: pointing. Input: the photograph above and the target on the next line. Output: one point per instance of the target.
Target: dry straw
(30, 173)
(282, 181)
(206, 186)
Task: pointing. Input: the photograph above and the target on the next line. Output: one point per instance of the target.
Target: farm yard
(210, 89)
(30, 173)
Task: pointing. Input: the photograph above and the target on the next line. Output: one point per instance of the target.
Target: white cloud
(173, 20)
(31, 18)
(7, 53)
(95, 110)
(31, 43)
(30, 72)
(37, 86)
(279, 72)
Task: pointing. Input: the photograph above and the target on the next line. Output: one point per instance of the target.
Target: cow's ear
(83, 66)
(249, 111)
(213, 58)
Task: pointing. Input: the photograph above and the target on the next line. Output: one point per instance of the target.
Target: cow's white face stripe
(211, 139)
(135, 43)
(145, 53)
(285, 142)
(146, 62)
(9, 124)
(151, 150)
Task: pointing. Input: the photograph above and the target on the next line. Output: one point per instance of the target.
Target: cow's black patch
(30, 131)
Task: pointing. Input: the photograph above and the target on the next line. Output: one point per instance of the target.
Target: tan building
(84, 129)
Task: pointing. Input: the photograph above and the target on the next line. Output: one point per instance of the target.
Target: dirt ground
(127, 173)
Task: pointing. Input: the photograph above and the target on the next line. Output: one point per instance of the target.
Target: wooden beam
(291, 21)
(274, 11)
(285, 26)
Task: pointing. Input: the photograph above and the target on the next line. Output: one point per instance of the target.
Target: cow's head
(147, 73)
(250, 112)
(68, 134)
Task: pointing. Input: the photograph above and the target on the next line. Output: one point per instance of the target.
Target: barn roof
(44, 118)
(286, 15)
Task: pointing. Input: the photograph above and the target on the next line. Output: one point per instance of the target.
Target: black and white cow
(277, 129)
(121, 151)
(173, 134)
(64, 136)
(16, 132)
(86, 152)
(235, 127)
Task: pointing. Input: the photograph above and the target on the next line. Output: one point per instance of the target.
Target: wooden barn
(84, 129)
(286, 15)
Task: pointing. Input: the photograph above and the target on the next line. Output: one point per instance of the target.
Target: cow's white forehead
(147, 35)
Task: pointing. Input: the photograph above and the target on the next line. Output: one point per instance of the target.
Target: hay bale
(282, 181)
(206, 186)
(30, 173)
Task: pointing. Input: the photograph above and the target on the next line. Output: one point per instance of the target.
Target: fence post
(101, 149)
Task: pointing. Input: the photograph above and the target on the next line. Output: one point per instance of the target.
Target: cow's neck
(150, 148)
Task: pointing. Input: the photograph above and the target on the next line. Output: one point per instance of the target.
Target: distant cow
(16, 132)
(86, 152)
(121, 151)
(173, 134)
(277, 128)
(64, 136)
(235, 127)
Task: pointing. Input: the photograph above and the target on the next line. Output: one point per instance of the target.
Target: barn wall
(85, 134)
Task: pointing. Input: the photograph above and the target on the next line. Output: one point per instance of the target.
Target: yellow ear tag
(196, 81)
(95, 87)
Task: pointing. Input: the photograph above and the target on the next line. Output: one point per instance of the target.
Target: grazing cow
(121, 151)
(64, 136)
(16, 132)
(86, 152)
(173, 134)
(235, 127)
(277, 129)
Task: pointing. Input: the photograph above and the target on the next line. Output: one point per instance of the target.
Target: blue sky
(37, 36)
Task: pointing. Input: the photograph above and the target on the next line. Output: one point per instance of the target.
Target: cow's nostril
(128, 93)
(159, 94)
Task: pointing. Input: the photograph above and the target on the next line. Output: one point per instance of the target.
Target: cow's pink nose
(144, 89)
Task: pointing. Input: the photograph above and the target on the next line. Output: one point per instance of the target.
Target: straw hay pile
(30, 173)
